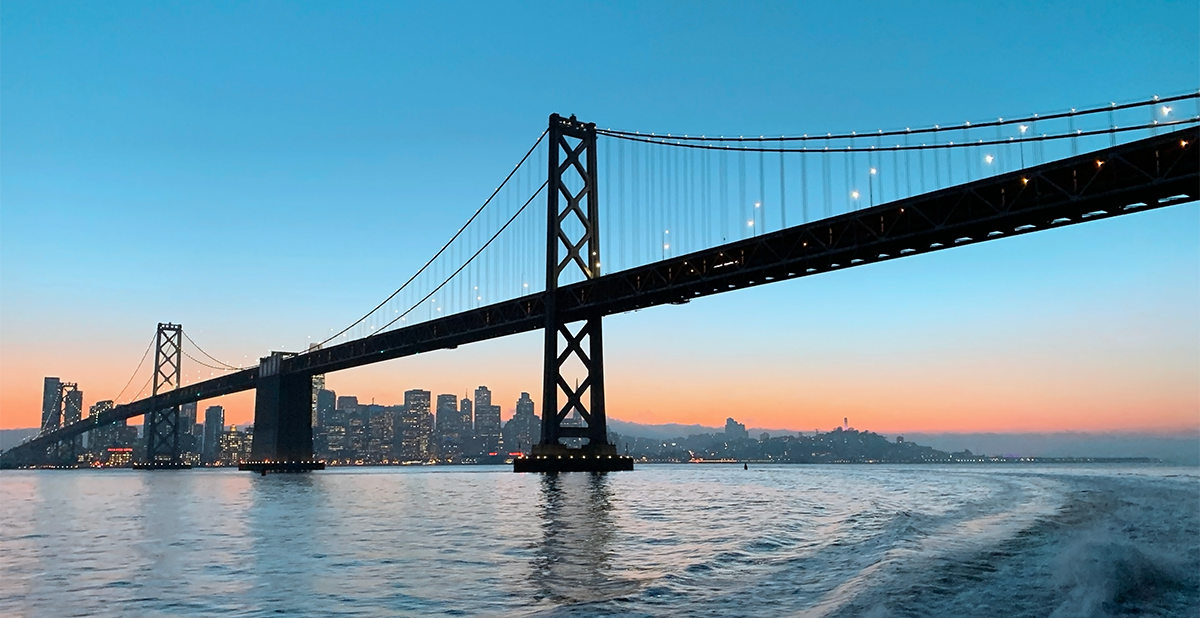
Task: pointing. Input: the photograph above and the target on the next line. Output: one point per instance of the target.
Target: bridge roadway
(1155, 172)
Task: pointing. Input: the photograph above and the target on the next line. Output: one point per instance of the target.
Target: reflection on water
(574, 560)
(662, 541)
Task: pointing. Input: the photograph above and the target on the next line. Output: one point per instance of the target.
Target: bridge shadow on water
(574, 563)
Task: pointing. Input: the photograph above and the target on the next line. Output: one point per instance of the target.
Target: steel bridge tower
(161, 427)
(572, 246)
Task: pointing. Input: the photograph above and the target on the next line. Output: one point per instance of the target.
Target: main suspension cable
(139, 368)
(225, 366)
(465, 264)
(444, 247)
(663, 141)
(934, 129)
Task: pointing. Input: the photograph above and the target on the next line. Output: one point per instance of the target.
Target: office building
(524, 429)
(466, 421)
(413, 427)
(214, 426)
(487, 421)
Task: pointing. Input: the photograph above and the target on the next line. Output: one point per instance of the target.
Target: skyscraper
(103, 436)
(51, 404)
(326, 402)
(187, 416)
(187, 420)
(466, 420)
(414, 427)
(214, 426)
(524, 429)
(487, 421)
(449, 427)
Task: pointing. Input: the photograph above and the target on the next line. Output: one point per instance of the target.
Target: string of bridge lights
(1024, 123)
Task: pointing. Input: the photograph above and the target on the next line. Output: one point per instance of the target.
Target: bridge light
(1166, 109)
(854, 194)
(989, 159)
(1099, 163)
(1183, 143)
(1024, 129)
(874, 171)
(750, 223)
(1024, 181)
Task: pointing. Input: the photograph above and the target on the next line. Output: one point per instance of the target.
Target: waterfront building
(118, 457)
(214, 426)
(235, 446)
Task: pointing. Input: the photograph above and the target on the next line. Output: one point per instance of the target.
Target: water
(689, 540)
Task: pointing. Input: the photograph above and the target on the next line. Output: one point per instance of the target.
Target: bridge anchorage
(572, 230)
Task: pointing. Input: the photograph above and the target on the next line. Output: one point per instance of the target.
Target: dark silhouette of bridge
(1002, 178)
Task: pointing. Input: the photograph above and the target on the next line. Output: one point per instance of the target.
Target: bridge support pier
(573, 229)
(282, 421)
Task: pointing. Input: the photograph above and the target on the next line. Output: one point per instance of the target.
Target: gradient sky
(262, 172)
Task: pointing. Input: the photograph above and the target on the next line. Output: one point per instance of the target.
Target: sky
(263, 172)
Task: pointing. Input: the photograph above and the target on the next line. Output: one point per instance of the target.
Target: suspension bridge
(677, 217)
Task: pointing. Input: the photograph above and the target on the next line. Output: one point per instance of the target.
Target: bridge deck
(1151, 173)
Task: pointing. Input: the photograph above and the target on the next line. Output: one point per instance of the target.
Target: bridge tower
(161, 427)
(572, 248)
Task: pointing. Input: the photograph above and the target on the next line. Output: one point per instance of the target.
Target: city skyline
(1046, 332)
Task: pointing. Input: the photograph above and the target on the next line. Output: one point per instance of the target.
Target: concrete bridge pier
(282, 421)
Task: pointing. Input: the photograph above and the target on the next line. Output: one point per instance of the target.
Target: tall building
(325, 402)
(381, 424)
(735, 430)
(413, 427)
(103, 436)
(466, 420)
(234, 446)
(318, 385)
(347, 402)
(448, 432)
(214, 426)
(487, 421)
(51, 404)
(524, 429)
(187, 420)
(187, 415)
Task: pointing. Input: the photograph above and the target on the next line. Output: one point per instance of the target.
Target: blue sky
(264, 171)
